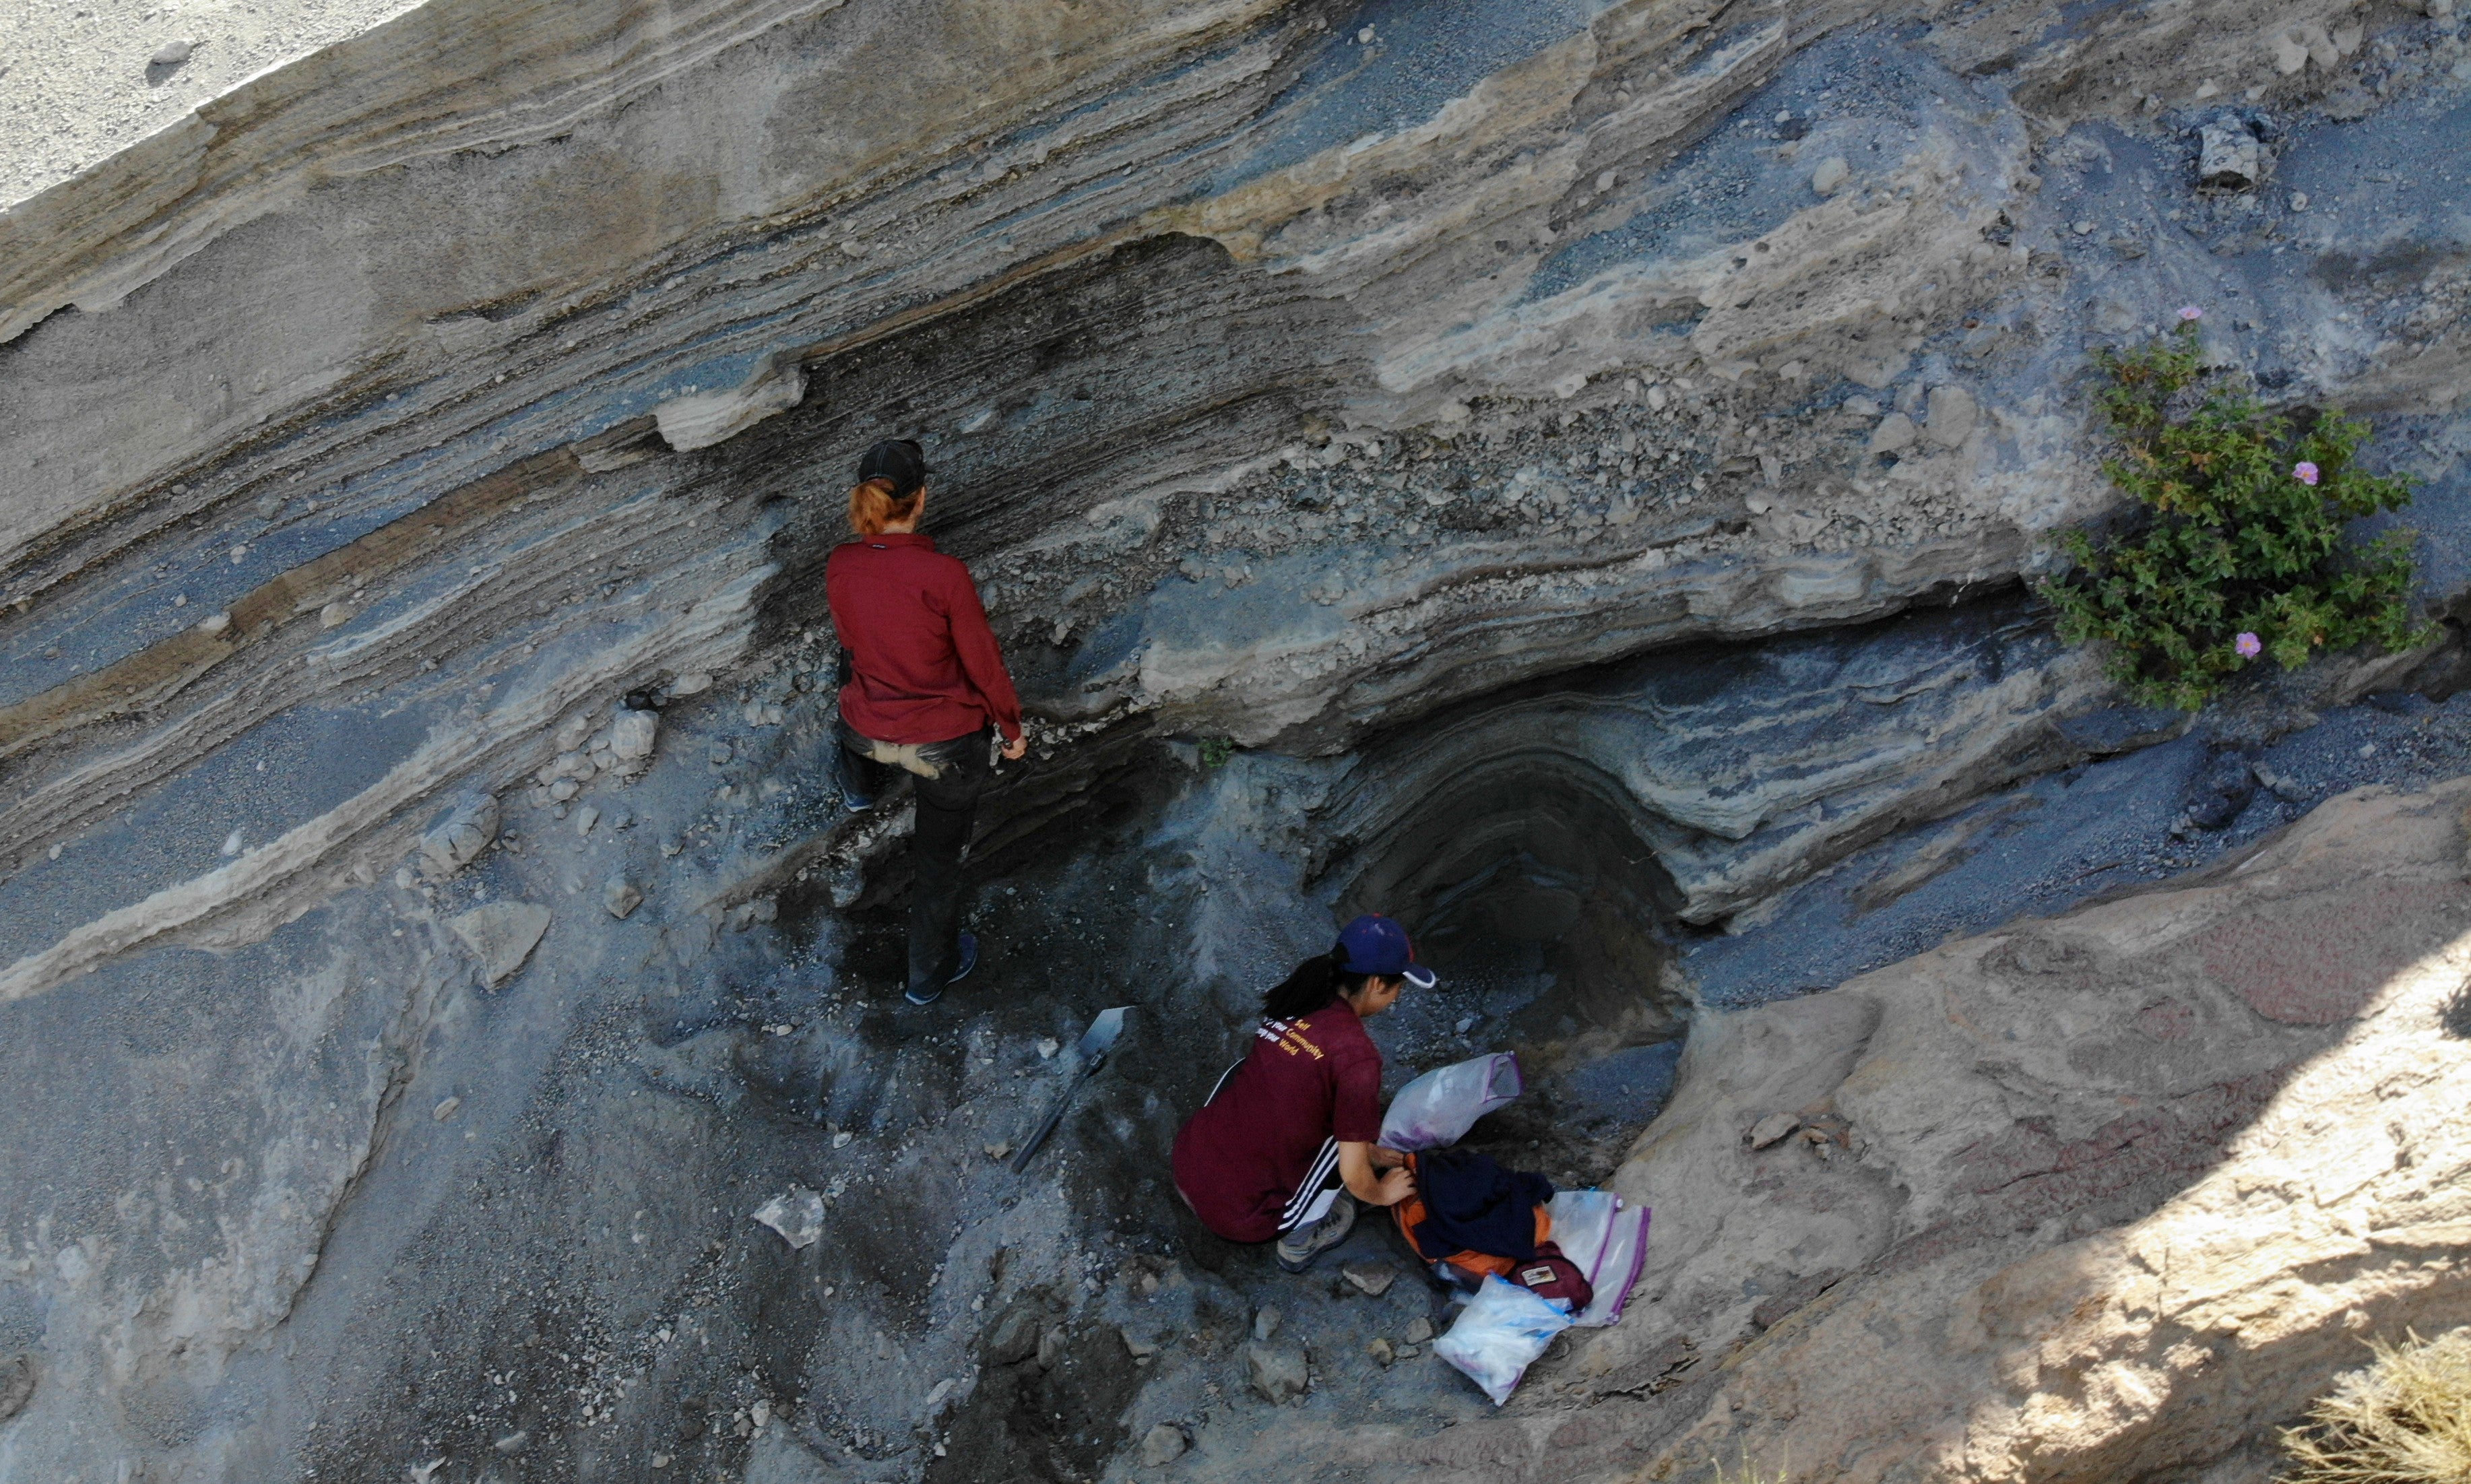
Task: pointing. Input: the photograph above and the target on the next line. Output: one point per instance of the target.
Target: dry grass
(2405, 1419)
(1751, 1473)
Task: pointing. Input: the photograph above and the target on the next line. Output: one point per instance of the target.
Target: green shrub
(2240, 552)
(2405, 1419)
(1217, 750)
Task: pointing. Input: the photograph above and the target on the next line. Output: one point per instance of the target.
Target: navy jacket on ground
(1472, 1204)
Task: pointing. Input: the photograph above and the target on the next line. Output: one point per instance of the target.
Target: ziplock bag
(1500, 1332)
(1607, 1238)
(1437, 1108)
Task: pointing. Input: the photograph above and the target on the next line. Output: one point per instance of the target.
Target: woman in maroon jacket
(1289, 1140)
(925, 683)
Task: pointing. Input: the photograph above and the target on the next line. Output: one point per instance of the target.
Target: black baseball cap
(898, 460)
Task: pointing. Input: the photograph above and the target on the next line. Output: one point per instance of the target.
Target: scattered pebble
(797, 1215)
(1369, 1279)
(445, 1109)
(1048, 1045)
(170, 54)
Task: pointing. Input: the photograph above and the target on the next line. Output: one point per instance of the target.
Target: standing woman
(1288, 1141)
(925, 683)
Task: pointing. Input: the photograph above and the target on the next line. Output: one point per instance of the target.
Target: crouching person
(1287, 1141)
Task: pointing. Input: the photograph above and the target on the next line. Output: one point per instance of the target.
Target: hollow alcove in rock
(1529, 891)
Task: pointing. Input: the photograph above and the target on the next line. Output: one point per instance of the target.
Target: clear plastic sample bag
(1435, 1109)
(1499, 1334)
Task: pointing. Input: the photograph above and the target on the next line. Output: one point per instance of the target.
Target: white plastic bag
(1607, 1238)
(1433, 1111)
(1500, 1332)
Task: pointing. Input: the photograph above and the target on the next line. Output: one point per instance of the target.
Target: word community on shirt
(1289, 1036)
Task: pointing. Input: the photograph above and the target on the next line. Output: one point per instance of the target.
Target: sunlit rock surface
(1515, 421)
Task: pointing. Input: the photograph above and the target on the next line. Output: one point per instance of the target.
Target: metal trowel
(1090, 1050)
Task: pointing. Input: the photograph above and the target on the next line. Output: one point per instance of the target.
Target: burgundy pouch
(1550, 1275)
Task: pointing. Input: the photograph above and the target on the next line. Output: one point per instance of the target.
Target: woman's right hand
(1394, 1187)
(1016, 749)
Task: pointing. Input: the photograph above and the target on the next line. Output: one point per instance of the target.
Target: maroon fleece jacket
(924, 665)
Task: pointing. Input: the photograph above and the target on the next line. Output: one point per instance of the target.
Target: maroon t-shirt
(1240, 1159)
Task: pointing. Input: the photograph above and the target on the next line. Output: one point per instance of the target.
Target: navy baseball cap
(898, 460)
(1374, 944)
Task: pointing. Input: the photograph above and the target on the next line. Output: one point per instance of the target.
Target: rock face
(2109, 1195)
(1604, 439)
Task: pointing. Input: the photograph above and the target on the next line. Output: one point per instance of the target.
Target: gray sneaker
(1298, 1248)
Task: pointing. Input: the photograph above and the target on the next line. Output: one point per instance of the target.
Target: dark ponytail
(1316, 982)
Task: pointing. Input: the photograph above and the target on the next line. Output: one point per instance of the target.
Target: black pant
(948, 806)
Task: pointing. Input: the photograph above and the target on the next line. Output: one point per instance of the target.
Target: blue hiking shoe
(853, 799)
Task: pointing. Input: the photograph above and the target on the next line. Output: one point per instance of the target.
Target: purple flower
(2304, 472)
(2192, 313)
(2249, 646)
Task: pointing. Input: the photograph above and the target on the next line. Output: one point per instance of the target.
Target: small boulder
(2229, 157)
(458, 839)
(1134, 1347)
(1894, 433)
(1380, 1351)
(1773, 1129)
(1419, 1330)
(1952, 413)
(1163, 1445)
(1830, 176)
(1050, 1348)
(621, 896)
(2222, 792)
(503, 935)
(170, 54)
(1277, 1372)
(1265, 1322)
(633, 733)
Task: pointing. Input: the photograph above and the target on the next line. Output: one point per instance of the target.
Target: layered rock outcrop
(1403, 392)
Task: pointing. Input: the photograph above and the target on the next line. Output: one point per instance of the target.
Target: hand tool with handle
(1091, 1052)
